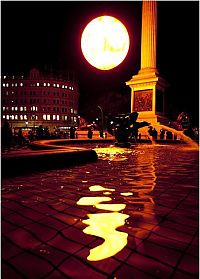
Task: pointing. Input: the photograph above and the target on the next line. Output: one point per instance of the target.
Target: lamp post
(101, 115)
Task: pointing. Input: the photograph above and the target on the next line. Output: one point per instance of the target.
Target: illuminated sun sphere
(105, 42)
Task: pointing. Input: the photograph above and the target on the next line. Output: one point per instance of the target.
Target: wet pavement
(146, 196)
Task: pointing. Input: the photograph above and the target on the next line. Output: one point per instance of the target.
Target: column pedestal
(148, 97)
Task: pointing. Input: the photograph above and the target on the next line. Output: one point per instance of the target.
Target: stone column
(147, 87)
(149, 36)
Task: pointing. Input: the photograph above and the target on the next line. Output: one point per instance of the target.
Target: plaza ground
(42, 228)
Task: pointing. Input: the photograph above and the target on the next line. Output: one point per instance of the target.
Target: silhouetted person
(72, 132)
(154, 134)
(101, 133)
(20, 137)
(162, 134)
(169, 135)
(150, 131)
(6, 137)
(90, 133)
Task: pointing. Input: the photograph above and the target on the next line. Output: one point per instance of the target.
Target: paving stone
(152, 266)
(129, 272)
(64, 244)
(163, 254)
(7, 227)
(9, 250)
(31, 266)
(50, 253)
(189, 264)
(76, 269)
(78, 235)
(23, 238)
(56, 275)
(8, 272)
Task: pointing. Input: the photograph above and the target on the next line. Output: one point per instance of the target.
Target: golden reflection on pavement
(96, 188)
(104, 225)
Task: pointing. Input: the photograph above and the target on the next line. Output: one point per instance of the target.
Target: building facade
(39, 99)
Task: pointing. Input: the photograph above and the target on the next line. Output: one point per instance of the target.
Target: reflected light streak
(104, 225)
(111, 207)
(126, 194)
(95, 188)
(92, 200)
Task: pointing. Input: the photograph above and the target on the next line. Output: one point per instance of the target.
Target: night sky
(47, 35)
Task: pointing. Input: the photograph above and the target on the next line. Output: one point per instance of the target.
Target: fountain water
(182, 136)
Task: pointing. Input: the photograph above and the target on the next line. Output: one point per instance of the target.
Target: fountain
(126, 129)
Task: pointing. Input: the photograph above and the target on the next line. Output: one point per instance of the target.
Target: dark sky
(48, 34)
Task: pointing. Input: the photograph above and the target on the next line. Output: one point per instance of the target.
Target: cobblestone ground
(42, 224)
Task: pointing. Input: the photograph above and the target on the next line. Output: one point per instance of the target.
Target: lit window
(63, 86)
(7, 117)
(21, 84)
(16, 116)
(21, 117)
(66, 86)
(54, 85)
(25, 108)
(65, 117)
(48, 84)
(57, 117)
(4, 77)
(4, 84)
(12, 117)
(4, 108)
(7, 84)
(36, 117)
(7, 108)
(16, 108)
(13, 92)
(15, 84)
(48, 117)
(12, 101)
(70, 87)
(45, 84)
(54, 117)
(71, 110)
(21, 108)
(25, 117)
(12, 84)
(4, 116)
(44, 117)
(57, 85)
(12, 108)
(38, 84)
(7, 93)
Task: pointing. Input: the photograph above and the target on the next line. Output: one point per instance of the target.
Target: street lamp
(101, 115)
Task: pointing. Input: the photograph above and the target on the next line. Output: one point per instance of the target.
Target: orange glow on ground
(105, 42)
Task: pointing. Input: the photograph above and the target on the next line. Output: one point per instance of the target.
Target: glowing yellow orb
(105, 42)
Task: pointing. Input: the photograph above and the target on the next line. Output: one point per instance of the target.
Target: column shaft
(149, 35)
